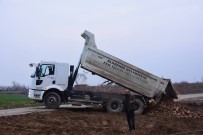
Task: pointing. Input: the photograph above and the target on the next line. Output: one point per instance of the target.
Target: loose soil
(89, 121)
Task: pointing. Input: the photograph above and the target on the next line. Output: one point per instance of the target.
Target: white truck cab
(48, 76)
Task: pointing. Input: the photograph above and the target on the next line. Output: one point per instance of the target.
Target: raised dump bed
(123, 73)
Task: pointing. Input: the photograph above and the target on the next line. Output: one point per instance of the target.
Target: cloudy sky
(164, 37)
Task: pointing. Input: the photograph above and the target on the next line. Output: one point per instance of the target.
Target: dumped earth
(163, 119)
(168, 108)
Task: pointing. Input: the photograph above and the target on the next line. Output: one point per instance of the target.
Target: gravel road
(26, 110)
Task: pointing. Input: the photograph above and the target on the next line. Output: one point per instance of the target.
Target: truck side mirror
(31, 65)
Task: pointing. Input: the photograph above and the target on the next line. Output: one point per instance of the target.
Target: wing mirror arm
(38, 72)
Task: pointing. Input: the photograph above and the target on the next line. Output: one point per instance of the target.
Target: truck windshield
(46, 69)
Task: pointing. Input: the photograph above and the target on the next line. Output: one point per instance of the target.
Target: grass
(15, 101)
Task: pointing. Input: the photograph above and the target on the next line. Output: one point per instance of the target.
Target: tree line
(15, 88)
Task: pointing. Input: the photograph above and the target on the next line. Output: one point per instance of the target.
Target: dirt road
(19, 111)
(27, 110)
(190, 97)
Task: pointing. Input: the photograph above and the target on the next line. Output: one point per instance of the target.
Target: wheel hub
(136, 106)
(52, 100)
(114, 106)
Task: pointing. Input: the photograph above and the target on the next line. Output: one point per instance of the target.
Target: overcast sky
(163, 37)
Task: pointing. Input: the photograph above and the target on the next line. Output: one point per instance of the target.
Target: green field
(15, 101)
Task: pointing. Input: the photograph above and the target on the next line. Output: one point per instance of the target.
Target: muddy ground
(88, 121)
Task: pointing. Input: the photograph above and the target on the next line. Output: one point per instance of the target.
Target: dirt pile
(169, 108)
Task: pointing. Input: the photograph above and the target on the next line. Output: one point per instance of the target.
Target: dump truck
(53, 82)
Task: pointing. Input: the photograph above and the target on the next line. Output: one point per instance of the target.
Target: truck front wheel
(52, 100)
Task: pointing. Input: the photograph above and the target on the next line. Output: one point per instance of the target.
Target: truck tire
(114, 105)
(52, 100)
(138, 106)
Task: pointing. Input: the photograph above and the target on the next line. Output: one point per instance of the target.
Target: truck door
(61, 75)
(46, 76)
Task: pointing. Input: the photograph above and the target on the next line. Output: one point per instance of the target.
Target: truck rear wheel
(114, 105)
(52, 100)
(138, 106)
